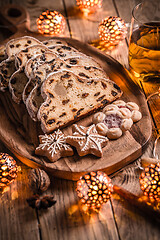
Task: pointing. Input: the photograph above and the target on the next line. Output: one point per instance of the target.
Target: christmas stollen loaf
(53, 42)
(7, 67)
(19, 79)
(47, 57)
(69, 98)
(34, 99)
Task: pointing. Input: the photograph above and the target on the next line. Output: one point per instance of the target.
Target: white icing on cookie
(87, 140)
(54, 146)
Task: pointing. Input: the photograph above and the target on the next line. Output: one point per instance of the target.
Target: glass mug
(144, 44)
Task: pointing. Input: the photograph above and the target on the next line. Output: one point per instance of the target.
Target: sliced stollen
(24, 55)
(17, 44)
(19, 79)
(53, 42)
(37, 60)
(33, 64)
(16, 85)
(64, 51)
(86, 72)
(3, 54)
(82, 61)
(68, 98)
(35, 99)
(7, 67)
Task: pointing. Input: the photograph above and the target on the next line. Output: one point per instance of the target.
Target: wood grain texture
(67, 220)
(14, 210)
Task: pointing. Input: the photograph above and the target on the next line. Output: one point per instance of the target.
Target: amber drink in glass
(144, 45)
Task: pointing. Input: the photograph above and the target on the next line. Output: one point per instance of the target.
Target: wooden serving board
(20, 133)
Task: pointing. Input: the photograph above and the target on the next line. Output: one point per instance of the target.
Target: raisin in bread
(7, 67)
(34, 99)
(68, 98)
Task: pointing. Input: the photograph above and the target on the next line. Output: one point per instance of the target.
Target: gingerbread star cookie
(54, 146)
(87, 140)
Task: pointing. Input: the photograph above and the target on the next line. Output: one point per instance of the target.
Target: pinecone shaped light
(150, 182)
(112, 30)
(8, 170)
(51, 23)
(94, 189)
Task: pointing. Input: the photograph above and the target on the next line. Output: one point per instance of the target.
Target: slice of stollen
(34, 99)
(68, 98)
(82, 61)
(84, 72)
(17, 44)
(30, 67)
(7, 67)
(24, 55)
(3, 54)
(64, 51)
(19, 79)
(33, 64)
(53, 42)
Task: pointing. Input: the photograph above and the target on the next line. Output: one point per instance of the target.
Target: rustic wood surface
(65, 220)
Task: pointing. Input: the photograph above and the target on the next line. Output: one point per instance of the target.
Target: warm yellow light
(112, 30)
(150, 181)
(89, 6)
(52, 23)
(94, 189)
(8, 169)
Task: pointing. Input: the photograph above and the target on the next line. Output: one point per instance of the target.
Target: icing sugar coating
(53, 146)
(87, 140)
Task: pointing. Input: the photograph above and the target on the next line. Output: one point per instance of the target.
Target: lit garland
(112, 30)
(8, 169)
(89, 6)
(51, 22)
(94, 189)
(150, 182)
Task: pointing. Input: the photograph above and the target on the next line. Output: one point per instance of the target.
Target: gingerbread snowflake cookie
(54, 146)
(87, 140)
(116, 118)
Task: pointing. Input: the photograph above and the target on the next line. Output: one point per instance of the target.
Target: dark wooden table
(117, 219)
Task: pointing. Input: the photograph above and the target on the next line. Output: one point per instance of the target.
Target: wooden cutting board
(20, 133)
